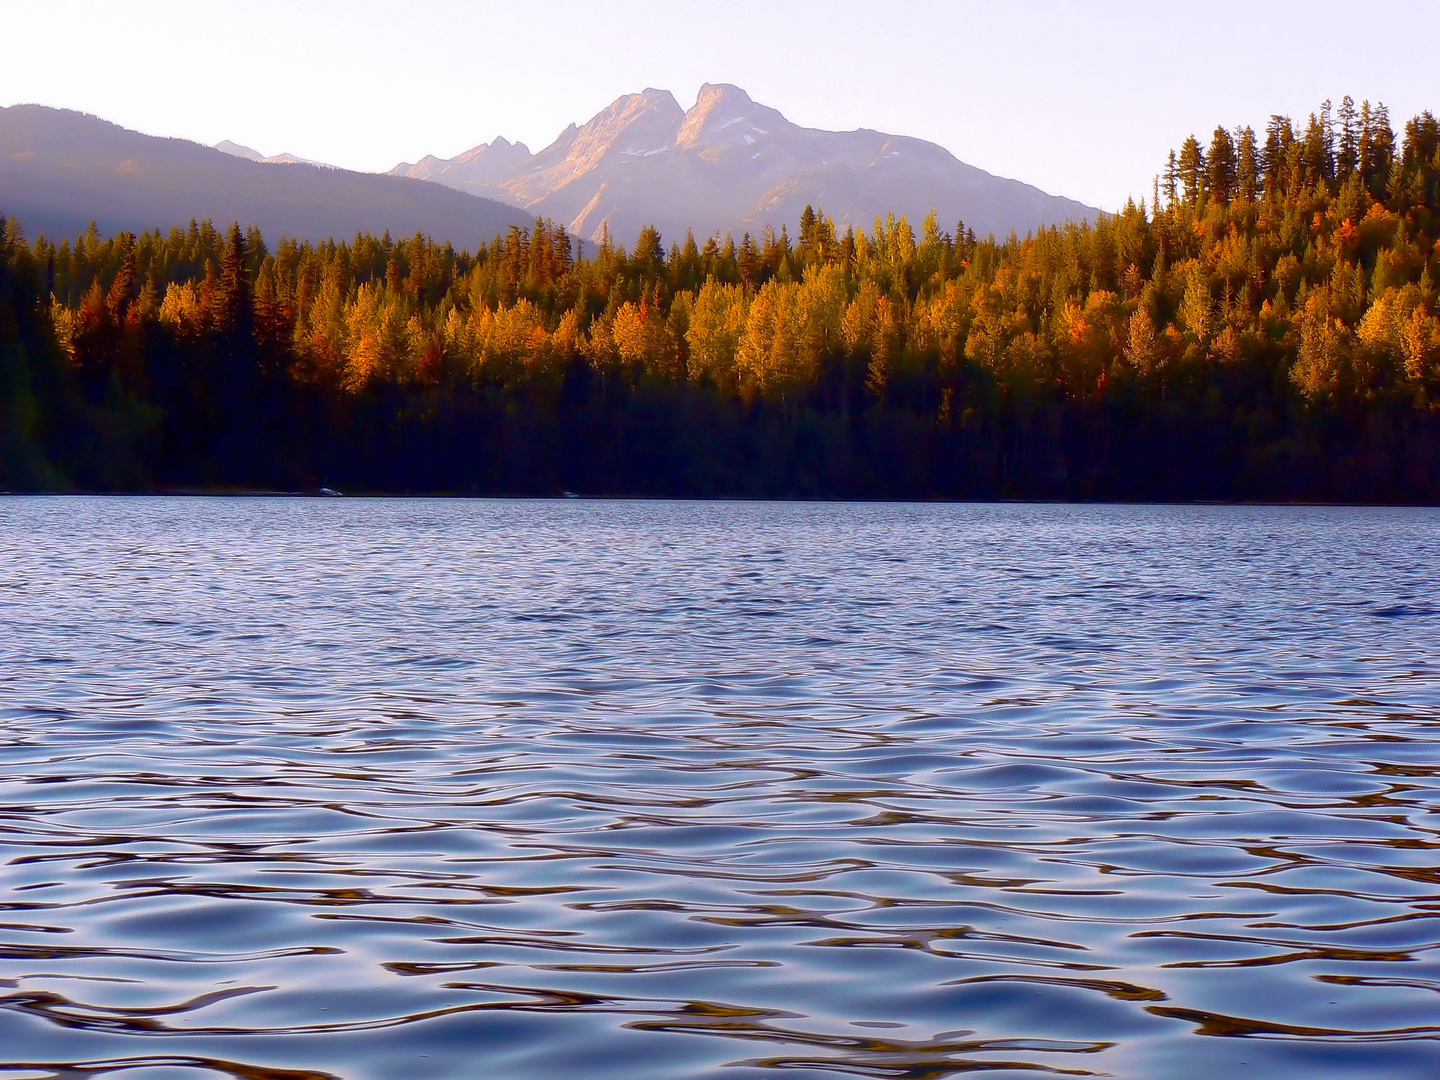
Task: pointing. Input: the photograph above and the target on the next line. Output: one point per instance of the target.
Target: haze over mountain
(59, 170)
(730, 164)
(727, 165)
(236, 150)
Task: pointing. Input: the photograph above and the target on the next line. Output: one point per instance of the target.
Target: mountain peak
(723, 93)
(501, 153)
(663, 99)
(629, 108)
(635, 125)
(477, 170)
(234, 149)
(725, 116)
(730, 163)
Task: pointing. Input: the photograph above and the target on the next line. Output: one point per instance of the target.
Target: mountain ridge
(731, 164)
(61, 169)
(234, 149)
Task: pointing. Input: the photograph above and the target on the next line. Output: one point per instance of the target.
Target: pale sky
(1083, 99)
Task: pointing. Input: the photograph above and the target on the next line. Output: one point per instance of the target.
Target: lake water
(394, 790)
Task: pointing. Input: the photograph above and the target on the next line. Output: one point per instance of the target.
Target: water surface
(394, 790)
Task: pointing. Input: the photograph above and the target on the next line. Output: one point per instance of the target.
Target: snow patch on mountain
(643, 160)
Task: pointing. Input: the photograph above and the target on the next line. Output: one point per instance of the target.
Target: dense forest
(1264, 326)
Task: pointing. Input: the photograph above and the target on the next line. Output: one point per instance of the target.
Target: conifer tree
(1221, 166)
(1247, 172)
(1191, 167)
(233, 299)
(1279, 135)
(1347, 153)
(1319, 304)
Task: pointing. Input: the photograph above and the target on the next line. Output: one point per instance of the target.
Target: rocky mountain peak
(635, 125)
(475, 171)
(721, 96)
(632, 128)
(725, 116)
(502, 152)
(730, 164)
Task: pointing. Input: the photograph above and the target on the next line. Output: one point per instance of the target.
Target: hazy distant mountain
(61, 169)
(236, 150)
(730, 164)
(477, 171)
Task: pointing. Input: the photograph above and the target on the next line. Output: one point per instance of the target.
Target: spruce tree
(233, 300)
(1347, 154)
(1192, 170)
(1221, 167)
(1247, 172)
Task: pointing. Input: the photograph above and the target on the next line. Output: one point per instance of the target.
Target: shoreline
(261, 493)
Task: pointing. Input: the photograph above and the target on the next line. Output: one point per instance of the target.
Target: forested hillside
(60, 170)
(1264, 326)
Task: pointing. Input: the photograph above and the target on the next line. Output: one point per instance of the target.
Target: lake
(376, 789)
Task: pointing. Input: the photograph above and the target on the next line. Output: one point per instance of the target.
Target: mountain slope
(61, 169)
(730, 164)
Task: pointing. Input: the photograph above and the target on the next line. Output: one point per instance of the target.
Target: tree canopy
(1266, 327)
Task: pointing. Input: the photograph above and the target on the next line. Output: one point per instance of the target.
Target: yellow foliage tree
(717, 322)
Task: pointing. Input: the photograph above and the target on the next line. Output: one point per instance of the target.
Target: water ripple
(361, 790)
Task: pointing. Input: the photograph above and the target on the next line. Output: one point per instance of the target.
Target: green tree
(1191, 168)
(1222, 167)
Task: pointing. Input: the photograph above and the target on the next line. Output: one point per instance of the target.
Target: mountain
(730, 164)
(61, 169)
(476, 171)
(236, 150)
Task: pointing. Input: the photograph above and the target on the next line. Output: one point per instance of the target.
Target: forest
(1264, 326)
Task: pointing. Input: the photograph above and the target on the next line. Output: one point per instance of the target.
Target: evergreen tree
(1279, 136)
(1347, 155)
(233, 299)
(1191, 167)
(1221, 167)
(1247, 171)
(865, 364)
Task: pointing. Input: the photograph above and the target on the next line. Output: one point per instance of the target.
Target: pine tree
(1378, 150)
(1347, 155)
(233, 299)
(1247, 172)
(1221, 167)
(649, 256)
(808, 239)
(122, 290)
(564, 257)
(1279, 134)
(1192, 170)
(749, 263)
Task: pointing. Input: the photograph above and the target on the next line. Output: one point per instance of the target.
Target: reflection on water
(292, 790)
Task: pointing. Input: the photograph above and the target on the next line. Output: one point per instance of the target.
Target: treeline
(1265, 326)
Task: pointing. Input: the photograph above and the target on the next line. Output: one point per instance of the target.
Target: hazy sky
(1080, 98)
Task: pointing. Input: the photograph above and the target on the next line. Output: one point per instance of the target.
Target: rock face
(59, 170)
(732, 165)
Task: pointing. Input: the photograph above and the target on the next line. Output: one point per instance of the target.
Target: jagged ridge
(731, 164)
